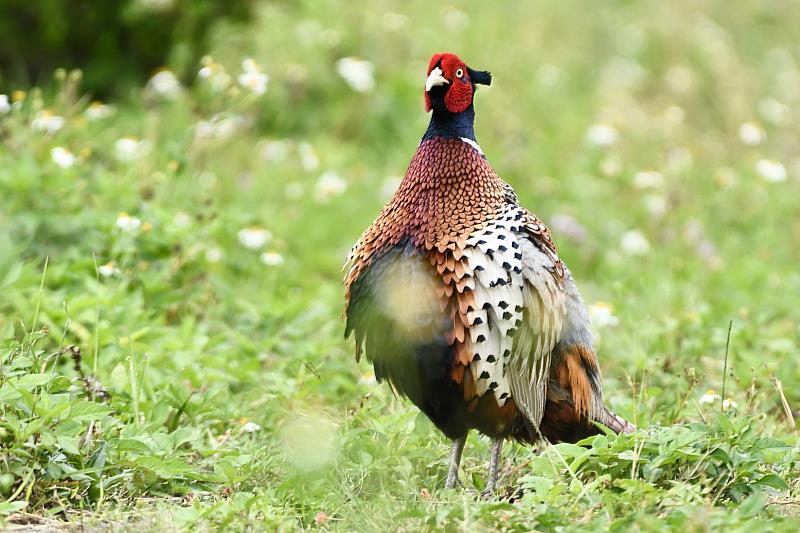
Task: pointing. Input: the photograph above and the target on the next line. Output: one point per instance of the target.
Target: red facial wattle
(459, 91)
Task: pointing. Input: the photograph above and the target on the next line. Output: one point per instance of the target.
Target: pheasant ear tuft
(482, 77)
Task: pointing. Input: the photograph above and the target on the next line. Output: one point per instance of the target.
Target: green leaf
(8, 394)
(31, 381)
(166, 469)
(183, 435)
(119, 378)
(84, 411)
(627, 455)
(477, 481)
(133, 446)
(56, 410)
(69, 444)
(772, 480)
(364, 458)
(567, 450)
(7, 508)
(99, 458)
(753, 504)
(766, 442)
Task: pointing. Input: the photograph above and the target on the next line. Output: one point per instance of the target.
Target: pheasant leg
(494, 468)
(455, 460)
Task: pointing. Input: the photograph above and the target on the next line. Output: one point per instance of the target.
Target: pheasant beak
(435, 78)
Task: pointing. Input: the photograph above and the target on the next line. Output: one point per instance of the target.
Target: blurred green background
(187, 235)
(117, 43)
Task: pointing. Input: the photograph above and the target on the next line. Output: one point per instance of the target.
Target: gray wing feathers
(544, 308)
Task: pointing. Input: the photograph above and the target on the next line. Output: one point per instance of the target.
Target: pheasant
(457, 296)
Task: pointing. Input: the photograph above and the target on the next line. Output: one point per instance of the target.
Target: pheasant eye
(459, 73)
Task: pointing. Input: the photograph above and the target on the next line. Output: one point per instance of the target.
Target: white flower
(648, 179)
(107, 270)
(275, 150)
(254, 81)
(254, 237)
(252, 78)
(165, 84)
(250, 427)
(656, 205)
(634, 243)
(249, 65)
(62, 157)
(728, 403)
(127, 223)
(358, 74)
(367, 378)
(128, 149)
(601, 315)
(5, 107)
(213, 255)
(751, 134)
(308, 157)
(98, 111)
(48, 122)
(770, 170)
(709, 397)
(272, 259)
(214, 74)
(602, 135)
(330, 184)
(182, 220)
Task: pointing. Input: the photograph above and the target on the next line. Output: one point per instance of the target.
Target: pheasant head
(450, 85)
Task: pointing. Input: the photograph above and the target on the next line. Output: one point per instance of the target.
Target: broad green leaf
(85, 410)
(7, 508)
(132, 445)
(31, 381)
(69, 444)
(774, 481)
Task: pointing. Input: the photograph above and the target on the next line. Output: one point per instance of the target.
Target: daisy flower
(357, 73)
(252, 78)
(62, 157)
(709, 397)
(254, 237)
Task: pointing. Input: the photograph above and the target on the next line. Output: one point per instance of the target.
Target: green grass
(136, 363)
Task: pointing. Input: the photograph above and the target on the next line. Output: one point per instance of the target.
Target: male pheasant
(458, 298)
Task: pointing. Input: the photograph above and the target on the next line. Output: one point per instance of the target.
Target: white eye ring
(459, 73)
